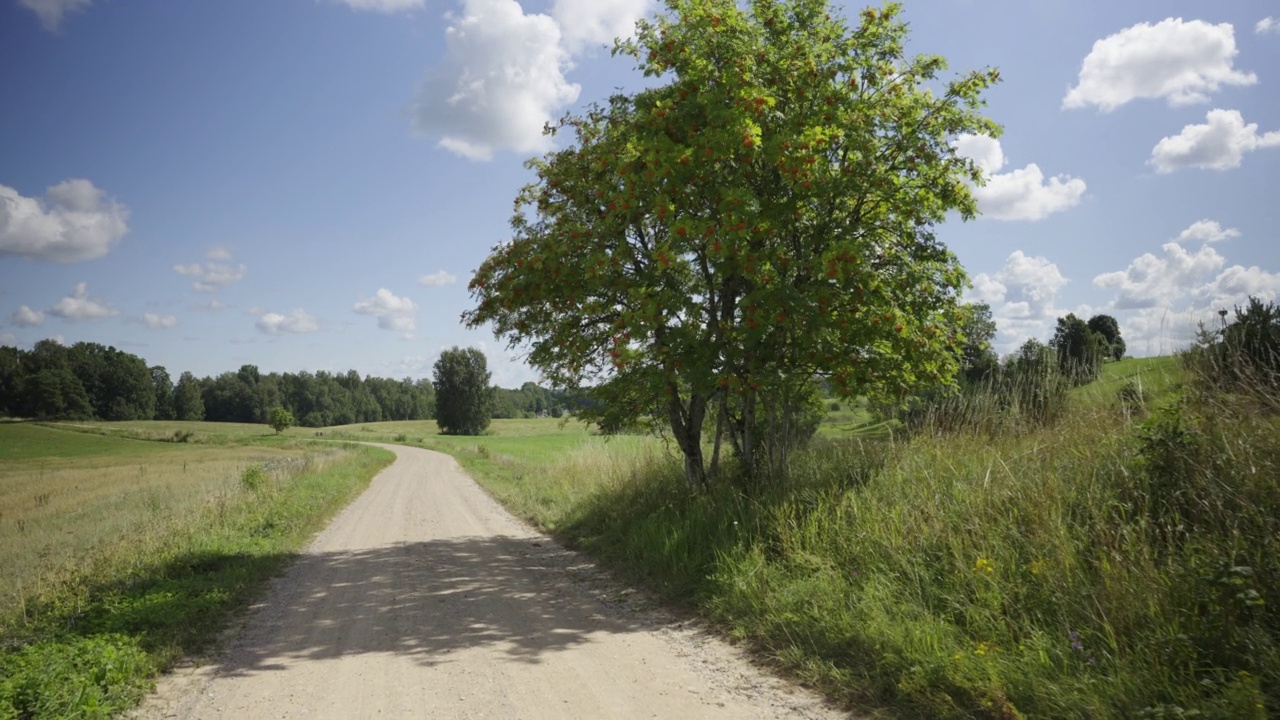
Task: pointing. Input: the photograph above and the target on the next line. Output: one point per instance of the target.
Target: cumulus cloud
(1267, 25)
(393, 313)
(74, 221)
(79, 306)
(51, 12)
(382, 6)
(1020, 194)
(1219, 144)
(1161, 299)
(1207, 231)
(1179, 61)
(159, 322)
(214, 275)
(1158, 280)
(587, 23)
(437, 279)
(501, 81)
(26, 317)
(1022, 297)
(295, 323)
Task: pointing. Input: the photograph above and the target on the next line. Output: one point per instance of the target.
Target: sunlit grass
(120, 556)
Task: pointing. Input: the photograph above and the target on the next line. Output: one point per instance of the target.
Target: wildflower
(982, 649)
(1037, 566)
(983, 565)
(1076, 643)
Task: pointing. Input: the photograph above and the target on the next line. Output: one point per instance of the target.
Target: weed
(254, 478)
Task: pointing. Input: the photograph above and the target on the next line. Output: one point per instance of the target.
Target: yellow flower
(982, 649)
(1037, 566)
(984, 565)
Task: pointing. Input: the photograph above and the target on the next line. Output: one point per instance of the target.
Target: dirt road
(425, 599)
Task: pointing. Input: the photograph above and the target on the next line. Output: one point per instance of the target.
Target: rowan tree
(762, 215)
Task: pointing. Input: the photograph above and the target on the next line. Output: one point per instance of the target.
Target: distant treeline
(89, 381)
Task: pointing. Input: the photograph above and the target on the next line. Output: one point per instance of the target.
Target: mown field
(118, 556)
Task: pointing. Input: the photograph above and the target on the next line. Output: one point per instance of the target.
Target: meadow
(1119, 562)
(119, 556)
(1122, 561)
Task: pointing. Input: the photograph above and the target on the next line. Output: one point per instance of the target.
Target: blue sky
(308, 184)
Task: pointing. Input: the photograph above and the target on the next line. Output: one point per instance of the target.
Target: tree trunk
(686, 426)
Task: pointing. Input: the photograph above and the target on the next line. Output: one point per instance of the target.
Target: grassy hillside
(1122, 562)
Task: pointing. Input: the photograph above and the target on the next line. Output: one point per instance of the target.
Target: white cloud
(501, 81)
(437, 279)
(1022, 296)
(8, 339)
(1160, 301)
(75, 221)
(79, 306)
(1207, 231)
(26, 317)
(393, 313)
(51, 12)
(586, 23)
(1158, 281)
(1267, 25)
(1179, 61)
(159, 322)
(1220, 144)
(295, 323)
(214, 275)
(58, 339)
(382, 6)
(219, 254)
(1020, 194)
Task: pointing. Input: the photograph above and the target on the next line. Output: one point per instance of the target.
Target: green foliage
(1109, 329)
(97, 676)
(254, 479)
(1107, 565)
(464, 399)
(1081, 351)
(188, 402)
(280, 419)
(763, 214)
(1245, 355)
(978, 362)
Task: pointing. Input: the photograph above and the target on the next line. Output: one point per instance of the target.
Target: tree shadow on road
(523, 596)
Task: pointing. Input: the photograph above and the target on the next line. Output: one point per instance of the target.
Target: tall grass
(92, 631)
(1110, 564)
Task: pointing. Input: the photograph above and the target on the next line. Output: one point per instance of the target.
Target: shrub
(254, 478)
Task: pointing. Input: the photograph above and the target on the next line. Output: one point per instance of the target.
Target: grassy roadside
(90, 633)
(1124, 562)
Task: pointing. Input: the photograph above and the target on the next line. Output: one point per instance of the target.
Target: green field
(119, 556)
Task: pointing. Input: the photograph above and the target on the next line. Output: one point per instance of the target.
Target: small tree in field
(280, 419)
(464, 400)
(761, 216)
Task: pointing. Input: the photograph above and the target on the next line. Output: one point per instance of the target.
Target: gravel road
(425, 599)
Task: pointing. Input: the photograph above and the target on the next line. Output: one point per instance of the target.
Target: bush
(254, 478)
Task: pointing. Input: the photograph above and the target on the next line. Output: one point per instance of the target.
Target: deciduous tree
(464, 400)
(761, 215)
